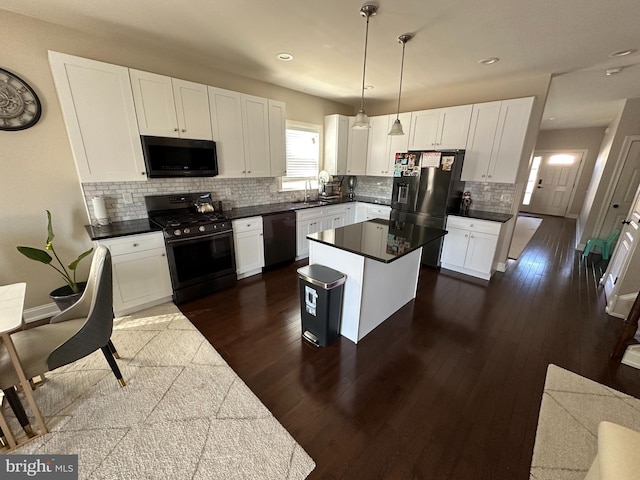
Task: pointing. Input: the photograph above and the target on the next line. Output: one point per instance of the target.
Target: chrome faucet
(306, 189)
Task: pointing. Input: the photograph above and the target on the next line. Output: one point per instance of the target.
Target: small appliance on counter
(427, 187)
(352, 182)
(199, 241)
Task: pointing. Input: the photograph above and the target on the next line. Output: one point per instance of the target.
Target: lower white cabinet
(140, 271)
(248, 242)
(377, 211)
(470, 246)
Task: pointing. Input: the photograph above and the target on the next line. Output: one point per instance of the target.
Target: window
(531, 183)
(303, 155)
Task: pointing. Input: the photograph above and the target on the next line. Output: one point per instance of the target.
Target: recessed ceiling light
(368, 87)
(489, 61)
(285, 57)
(613, 71)
(551, 118)
(623, 53)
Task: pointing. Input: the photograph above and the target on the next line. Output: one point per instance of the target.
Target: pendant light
(396, 128)
(362, 120)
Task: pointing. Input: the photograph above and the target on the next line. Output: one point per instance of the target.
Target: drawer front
(473, 224)
(247, 224)
(382, 211)
(308, 213)
(134, 243)
(334, 210)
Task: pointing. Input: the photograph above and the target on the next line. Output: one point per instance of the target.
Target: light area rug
(184, 413)
(522, 233)
(567, 434)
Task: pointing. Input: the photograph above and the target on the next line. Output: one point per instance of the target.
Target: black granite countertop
(120, 229)
(273, 208)
(398, 238)
(482, 215)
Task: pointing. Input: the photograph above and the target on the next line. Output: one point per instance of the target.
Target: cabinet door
(480, 252)
(453, 127)
(255, 125)
(249, 249)
(277, 138)
(226, 126)
(192, 109)
(372, 239)
(398, 143)
(454, 248)
(482, 131)
(424, 127)
(336, 137)
(357, 146)
(509, 140)
(139, 278)
(361, 212)
(99, 113)
(155, 107)
(304, 228)
(350, 216)
(378, 147)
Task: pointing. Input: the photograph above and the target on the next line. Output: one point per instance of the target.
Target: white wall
(600, 187)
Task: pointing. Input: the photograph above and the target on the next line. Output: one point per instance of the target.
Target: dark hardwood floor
(447, 388)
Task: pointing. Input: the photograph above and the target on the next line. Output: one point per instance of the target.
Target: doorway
(551, 184)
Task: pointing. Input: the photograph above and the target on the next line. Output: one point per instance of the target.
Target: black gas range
(199, 240)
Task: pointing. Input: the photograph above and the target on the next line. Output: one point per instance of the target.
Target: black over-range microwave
(179, 157)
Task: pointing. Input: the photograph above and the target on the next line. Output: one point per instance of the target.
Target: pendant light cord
(404, 44)
(364, 66)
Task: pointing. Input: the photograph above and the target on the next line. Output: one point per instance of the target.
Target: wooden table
(11, 307)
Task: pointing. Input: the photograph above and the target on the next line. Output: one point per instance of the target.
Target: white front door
(624, 248)
(623, 195)
(554, 183)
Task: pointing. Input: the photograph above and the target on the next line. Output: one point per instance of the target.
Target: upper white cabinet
(382, 147)
(440, 129)
(357, 144)
(100, 117)
(226, 126)
(169, 107)
(255, 125)
(496, 139)
(277, 137)
(336, 142)
(242, 123)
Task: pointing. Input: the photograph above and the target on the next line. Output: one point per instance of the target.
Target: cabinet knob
(175, 129)
(136, 244)
(248, 171)
(489, 176)
(163, 254)
(184, 130)
(243, 171)
(143, 173)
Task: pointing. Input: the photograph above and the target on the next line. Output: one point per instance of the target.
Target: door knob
(626, 222)
(615, 205)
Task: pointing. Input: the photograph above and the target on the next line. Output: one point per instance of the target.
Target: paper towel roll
(100, 210)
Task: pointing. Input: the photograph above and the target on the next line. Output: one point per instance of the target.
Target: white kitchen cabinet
(377, 211)
(361, 212)
(350, 215)
(255, 126)
(496, 139)
(470, 246)
(170, 107)
(378, 163)
(336, 142)
(140, 272)
(277, 138)
(226, 126)
(440, 129)
(100, 117)
(382, 147)
(334, 216)
(248, 242)
(357, 145)
(308, 221)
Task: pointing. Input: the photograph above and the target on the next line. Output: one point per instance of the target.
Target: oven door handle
(198, 237)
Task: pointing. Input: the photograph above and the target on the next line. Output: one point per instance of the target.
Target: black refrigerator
(426, 187)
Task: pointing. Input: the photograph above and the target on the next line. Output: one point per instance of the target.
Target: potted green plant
(70, 293)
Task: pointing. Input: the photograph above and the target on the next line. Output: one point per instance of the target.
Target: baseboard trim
(38, 313)
(631, 356)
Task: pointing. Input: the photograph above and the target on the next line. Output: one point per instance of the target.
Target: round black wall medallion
(19, 105)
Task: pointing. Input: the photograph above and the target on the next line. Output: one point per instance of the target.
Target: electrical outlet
(127, 198)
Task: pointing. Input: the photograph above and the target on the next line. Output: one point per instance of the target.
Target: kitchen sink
(311, 203)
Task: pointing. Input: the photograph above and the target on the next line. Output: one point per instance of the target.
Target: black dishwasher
(279, 238)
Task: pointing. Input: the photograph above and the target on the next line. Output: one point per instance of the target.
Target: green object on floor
(605, 245)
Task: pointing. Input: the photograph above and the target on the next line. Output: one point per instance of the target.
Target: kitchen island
(381, 260)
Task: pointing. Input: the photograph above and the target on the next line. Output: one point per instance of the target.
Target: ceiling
(570, 39)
